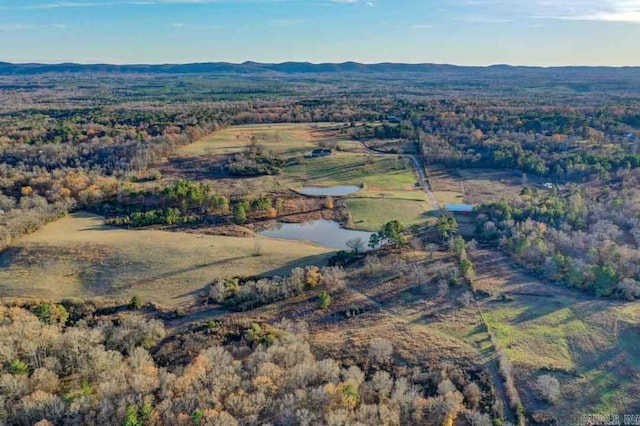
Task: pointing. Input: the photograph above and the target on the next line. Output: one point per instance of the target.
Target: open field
(287, 139)
(77, 256)
(588, 344)
(475, 186)
(388, 192)
(370, 213)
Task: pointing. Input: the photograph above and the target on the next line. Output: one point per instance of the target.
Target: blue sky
(466, 32)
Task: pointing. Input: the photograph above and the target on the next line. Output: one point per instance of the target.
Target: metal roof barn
(459, 208)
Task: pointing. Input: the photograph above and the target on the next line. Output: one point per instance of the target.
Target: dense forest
(124, 371)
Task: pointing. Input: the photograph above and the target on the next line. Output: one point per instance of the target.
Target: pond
(336, 191)
(327, 233)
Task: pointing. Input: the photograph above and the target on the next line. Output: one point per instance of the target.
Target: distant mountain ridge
(295, 68)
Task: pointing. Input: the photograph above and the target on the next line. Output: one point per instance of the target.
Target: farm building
(320, 152)
(459, 208)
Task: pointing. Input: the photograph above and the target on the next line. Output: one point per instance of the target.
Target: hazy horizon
(316, 63)
(458, 32)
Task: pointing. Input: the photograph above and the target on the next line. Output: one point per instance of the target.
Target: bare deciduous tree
(380, 351)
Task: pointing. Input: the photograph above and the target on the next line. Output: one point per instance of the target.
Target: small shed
(459, 208)
(320, 152)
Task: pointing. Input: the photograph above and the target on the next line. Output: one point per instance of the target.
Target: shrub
(19, 368)
(262, 336)
(466, 268)
(239, 214)
(380, 350)
(549, 388)
(324, 299)
(51, 313)
(342, 258)
(135, 302)
(328, 203)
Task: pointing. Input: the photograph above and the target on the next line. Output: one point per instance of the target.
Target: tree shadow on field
(101, 278)
(317, 260)
(535, 307)
(171, 274)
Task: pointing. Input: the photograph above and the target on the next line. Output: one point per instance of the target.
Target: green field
(77, 256)
(590, 345)
(370, 213)
(388, 184)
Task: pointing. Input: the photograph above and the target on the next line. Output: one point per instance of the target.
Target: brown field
(476, 186)
(289, 139)
(425, 329)
(77, 256)
(590, 345)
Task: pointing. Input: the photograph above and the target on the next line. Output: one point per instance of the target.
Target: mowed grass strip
(376, 173)
(369, 214)
(77, 256)
(389, 191)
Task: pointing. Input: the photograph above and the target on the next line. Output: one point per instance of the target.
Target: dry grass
(289, 139)
(424, 330)
(78, 256)
(475, 186)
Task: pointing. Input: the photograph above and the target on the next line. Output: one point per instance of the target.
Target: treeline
(584, 238)
(99, 371)
(184, 202)
(243, 295)
(560, 143)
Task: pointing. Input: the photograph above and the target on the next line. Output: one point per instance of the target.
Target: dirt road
(418, 166)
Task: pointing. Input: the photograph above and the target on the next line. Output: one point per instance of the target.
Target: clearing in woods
(477, 186)
(289, 139)
(77, 256)
(388, 193)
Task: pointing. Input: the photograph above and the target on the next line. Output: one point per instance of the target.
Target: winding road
(418, 166)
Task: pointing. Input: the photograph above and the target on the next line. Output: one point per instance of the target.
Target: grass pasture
(388, 192)
(286, 139)
(588, 344)
(370, 213)
(377, 173)
(77, 256)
